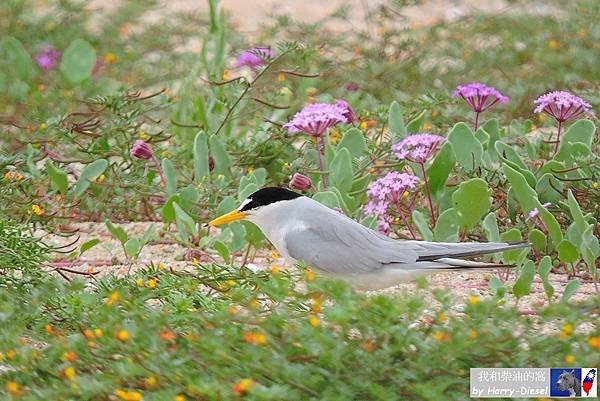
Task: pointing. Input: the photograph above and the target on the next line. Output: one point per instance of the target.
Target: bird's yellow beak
(228, 218)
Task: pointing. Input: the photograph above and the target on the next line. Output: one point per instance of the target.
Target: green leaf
(341, 170)
(549, 188)
(247, 191)
(467, 148)
(185, 223)
(222, 250)
(222, 160)
(132, 247)
(567, 252)
(544, 271)
(416, 123)
(327, 198)
(537, 239)
(511, 235)
(18, 60)
(396, 122)
(472, 201)
(590, 248)
(490, 225)
(528, 200)
(78, 60)
(570, 290)
(116, 232)
(226, 205)
(149, 235)
(522, 286)
(498, 289)
(582, 131)
(446, 228)
(440, 168)
(578, 219)
(509, 153)
(200, 151)
(171, 176)
(354, 141)
(167, 210)
(89, 174)
(86, 246)
(421, 224)
(58, 178)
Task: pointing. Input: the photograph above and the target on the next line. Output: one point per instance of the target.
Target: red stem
(557, 144)
(476, 120)
(321, 148)
(429, 199)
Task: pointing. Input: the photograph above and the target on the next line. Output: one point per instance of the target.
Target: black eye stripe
(269, 195)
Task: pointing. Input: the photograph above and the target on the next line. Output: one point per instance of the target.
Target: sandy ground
(248, 16)
(108, 258)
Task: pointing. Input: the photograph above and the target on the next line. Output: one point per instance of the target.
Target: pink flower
(479, 97)
(254, 57)
(563, 106)
(141, 150)
(47, 59)
(347, 111)
(533, 214)
(316, 118)
(300, 182)
(417, 148)
(387, 192)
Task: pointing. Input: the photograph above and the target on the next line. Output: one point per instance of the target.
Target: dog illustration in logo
(568, 382)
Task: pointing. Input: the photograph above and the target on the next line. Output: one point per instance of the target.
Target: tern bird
(302, 229)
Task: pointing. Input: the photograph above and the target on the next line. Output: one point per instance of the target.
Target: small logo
(565, 382)
(589, 385)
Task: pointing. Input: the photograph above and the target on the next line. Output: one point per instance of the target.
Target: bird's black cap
(268, 195)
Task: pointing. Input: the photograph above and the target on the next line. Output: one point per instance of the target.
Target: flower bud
(211, 163)
(347, 111)
(300, 182)
(141, 150)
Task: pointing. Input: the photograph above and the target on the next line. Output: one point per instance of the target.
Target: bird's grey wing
(344, 246)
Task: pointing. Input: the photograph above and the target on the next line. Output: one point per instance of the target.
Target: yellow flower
(128, 395)
(335, 136)
(363, 125)
(150, 382)
(151, 283)
(274, 255)
(570, 359)
(243, 386)
(179, 398)
(122, 335)
(594, 342)
(161, 266)
(37, 210)
(314, 321)
(473, 334)
(316, 306)
(231, 283)
(427, 127)
(70, 356)
(143, 135)
(254, 304)
(311, 91)
(98, 332)
(274, 269)
(568, 329)
(139, 282)
(441, 336)
(165, 153)
(553, 44)
(249, 169)
(280, 77)
(101, 179)
(596, 185)
(473, 299)
(310, 275)
(110, 58)
(49, 329)
(13, 388)
(442, 317)
(11, 354)
(70, 373)
(225, 75)
(114, 298)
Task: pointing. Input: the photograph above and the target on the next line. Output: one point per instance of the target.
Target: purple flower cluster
(563, 106)
(417, 148)
(386, 192)
(47, 58)
(141, 150)
(479, 97)
(316, 118)
(254, 57)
